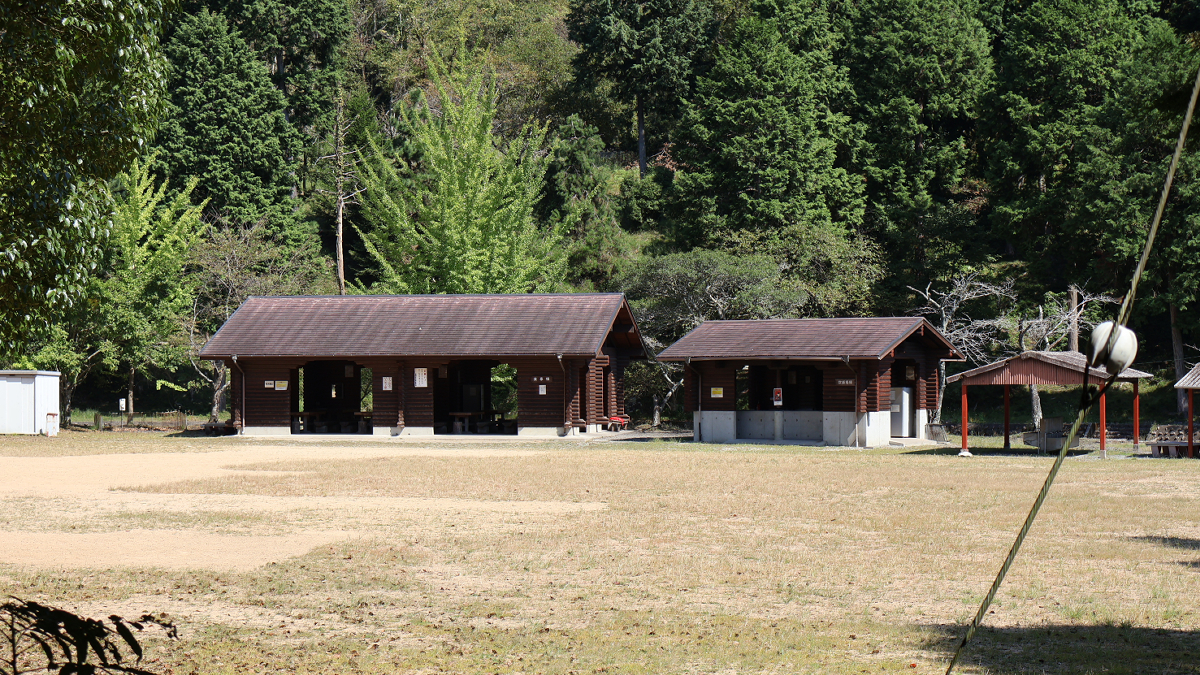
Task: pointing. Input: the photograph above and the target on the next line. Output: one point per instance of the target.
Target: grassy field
(680, 558)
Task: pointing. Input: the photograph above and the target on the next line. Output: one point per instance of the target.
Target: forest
(990, 164)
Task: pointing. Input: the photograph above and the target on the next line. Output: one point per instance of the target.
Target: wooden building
(854, 381)
(1045, 369)
(431, 358)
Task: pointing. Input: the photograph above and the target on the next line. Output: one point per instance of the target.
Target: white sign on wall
(387, 383)
(420, 377)
(268, 384)
(542, 389)
(281, 385)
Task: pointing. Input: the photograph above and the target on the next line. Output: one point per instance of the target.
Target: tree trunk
(641, 120)
(129, 400)
(941, 393)
(220, 384)
(339, 166)
(68, 392)
(1177, 351)
(1035, 402)
(657, 411)
(1073, 305)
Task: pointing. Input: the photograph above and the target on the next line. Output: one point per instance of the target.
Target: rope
(1086, 401)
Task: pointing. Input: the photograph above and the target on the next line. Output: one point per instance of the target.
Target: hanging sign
(542, 389)
(420, 377)
(268, 384)
(777, 397)
(387, 383)
(846, 383)
(716, 392)
(281, 385)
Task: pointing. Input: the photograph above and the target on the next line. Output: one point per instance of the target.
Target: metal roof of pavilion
(426, 325)
(816, 339)
(1052, 368)
(1191, 380)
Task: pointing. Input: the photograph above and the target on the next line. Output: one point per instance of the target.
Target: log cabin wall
(419, 401)
(387, 410)
(722, 375)
(267, 406)
(689, 389)
(574, 392)
(535, 409)
(883, 390)
(594, 390)
(838, 397)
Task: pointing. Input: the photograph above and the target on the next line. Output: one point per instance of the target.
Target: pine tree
(646, 49)
(225, 125)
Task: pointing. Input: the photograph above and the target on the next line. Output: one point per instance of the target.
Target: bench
(1165, 440)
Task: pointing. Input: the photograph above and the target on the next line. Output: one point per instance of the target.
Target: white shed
(29, 402)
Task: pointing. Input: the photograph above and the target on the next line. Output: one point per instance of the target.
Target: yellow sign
(716, 392)
(281, 385)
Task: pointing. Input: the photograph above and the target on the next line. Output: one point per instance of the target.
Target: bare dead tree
(346, 186)
(1052, 327)
(233, 262)
(974, 338)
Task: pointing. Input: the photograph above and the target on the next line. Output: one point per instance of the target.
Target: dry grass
(706, 560)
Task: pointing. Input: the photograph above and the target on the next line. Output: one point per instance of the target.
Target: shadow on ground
(1053, 648)
(996, 452)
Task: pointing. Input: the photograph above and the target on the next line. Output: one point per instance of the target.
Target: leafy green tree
(130, 313)
(299, 41)
(80, 92)
(646, 49)
(467, 226)
(759, 145)
(918, 68)
(225, 125)
(147, 289)
(582, 189)
(1056, 62)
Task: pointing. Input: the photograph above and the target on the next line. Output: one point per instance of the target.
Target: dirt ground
(421, 557)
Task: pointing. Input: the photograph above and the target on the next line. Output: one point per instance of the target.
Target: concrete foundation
(792, 426)
(540, 432)
(266, 431)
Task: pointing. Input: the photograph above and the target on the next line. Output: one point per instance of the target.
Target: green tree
(147, 290)
(299, 41)
(80, 93)
(646, 49)
(581, 188)
(918, 68)
(1056, 63)
(760, 146)
(466, 226)
(225, 125)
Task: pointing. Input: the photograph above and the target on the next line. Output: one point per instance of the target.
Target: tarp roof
(425, 325)
(1055, 368)
(817, 339)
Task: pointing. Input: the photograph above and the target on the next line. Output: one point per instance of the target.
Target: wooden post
(964, 414)
(1191, 420)
(1137, 424)
(1007, 444)
(1103, 424)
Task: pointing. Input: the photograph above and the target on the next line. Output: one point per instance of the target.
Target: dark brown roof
(426, 325)
(858, 338)
(1191, 380)
(1041, 368)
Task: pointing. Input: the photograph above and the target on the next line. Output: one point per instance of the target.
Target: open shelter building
(845, 382)
(297, 363)
(1191, 382)
(1045, 368)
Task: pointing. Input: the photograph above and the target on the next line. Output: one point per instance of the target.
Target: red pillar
(964, 414)
(1103, 421)
(1191, 420)
(1006, 417)
(1137, 428)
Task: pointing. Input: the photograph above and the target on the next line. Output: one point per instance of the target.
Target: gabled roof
(1191, 380)
(817, 339)
(426, 325)
(1041, 368)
